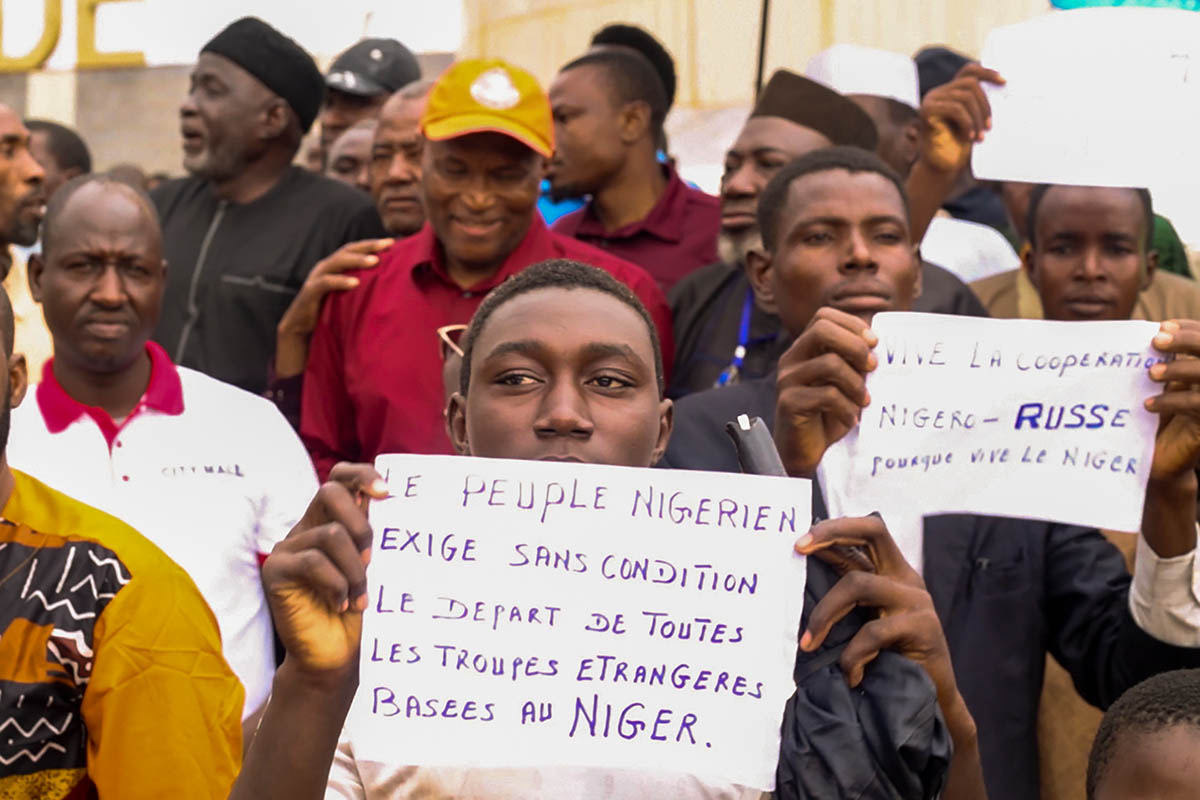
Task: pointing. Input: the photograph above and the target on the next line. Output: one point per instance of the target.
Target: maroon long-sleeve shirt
(373, 383)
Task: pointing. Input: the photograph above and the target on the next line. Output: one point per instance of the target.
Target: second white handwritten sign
(1008, 418)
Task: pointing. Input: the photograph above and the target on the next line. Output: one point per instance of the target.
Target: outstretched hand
(956, 115)
(907, 622)
(1177, 445)
(316, 579)
(821, 388)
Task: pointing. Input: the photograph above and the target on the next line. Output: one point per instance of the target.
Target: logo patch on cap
(344, 78)
(495, 89)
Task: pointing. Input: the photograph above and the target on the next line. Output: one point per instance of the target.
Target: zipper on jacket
(193, 312)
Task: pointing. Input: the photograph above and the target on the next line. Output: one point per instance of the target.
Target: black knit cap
(813, 105)
(276, 61)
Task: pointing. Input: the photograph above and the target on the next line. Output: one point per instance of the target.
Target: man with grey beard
(722, 333)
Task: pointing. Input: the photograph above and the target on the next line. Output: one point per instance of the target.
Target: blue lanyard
(730, 373)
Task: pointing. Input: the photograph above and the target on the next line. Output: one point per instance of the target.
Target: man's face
(1090, 260)
(56, 176)
(339, 111)
(761, 149)
(564, 375)
(100, 280)
(350, 158)
(395, 169)
(219, 118)
(1163, 765)
(588, 135)
(22, 183)
(480, 192)
(843, 241)
(899, 143)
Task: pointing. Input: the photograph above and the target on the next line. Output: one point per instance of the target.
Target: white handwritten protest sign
(1008, 418)
(1095, 97)
(536, 614)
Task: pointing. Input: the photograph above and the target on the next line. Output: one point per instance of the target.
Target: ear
(1028, 263)
(634, 120)
(71, 172)
(275, 119)
(1151, 268)
(919, 265)
(910, 141)
(18, 379)
(36, 267)
(759, 271)
(666, 424)
(456, 423)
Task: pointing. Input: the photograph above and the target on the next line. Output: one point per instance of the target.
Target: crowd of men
(471, 264)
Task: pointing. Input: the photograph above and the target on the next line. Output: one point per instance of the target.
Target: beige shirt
(32, 337)
(350, 779)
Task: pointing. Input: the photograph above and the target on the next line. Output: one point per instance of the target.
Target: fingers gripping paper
(535, 614)
(1008, 418)
(1086, 93)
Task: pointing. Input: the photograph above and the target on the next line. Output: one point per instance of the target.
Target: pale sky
(172, 31)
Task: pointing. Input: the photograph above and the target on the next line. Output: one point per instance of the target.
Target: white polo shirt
(211, 474)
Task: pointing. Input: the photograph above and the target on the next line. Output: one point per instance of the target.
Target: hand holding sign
(315, 579)
(822, 388)
(907, 621)
(1177, 446)
(1043, 420)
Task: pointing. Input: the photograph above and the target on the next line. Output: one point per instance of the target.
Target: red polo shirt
(677, 236)
(373, 383)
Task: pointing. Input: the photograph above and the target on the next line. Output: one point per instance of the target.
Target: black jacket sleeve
(1092, 633)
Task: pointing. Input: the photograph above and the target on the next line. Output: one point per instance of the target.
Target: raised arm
(315, 581)
(955, 116)
(907, 624)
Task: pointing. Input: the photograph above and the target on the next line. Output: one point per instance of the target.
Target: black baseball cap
(373, 66)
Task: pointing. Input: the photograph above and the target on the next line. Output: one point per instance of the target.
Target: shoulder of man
(698, 440)
(329, 192)
(698, 287)
(376, 284)
(208, 397)
(627, 272)
(169, 194)
(943, 292)
(568, 223)
(1169, 296)
(998, 293)
(52, 512)
(701, 201)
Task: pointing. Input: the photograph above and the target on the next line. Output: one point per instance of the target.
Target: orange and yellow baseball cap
(479, 95)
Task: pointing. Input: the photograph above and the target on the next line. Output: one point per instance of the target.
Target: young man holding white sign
(1006, 590)
(562, 365)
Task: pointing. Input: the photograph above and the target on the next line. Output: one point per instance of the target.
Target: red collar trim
(535, 246)
(164, 394)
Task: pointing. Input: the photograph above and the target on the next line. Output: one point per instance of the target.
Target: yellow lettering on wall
(51, 28)
(89, 57)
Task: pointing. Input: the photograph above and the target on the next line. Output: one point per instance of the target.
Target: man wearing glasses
(371, 382)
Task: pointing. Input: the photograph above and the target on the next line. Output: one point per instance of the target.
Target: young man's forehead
(588, 316)
(851, 194)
